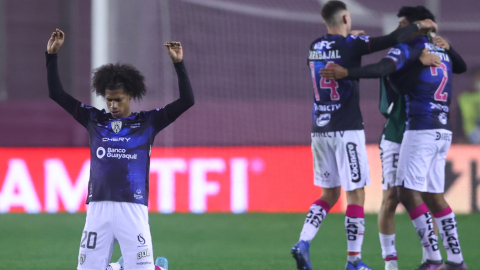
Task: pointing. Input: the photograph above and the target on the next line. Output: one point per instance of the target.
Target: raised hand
(55, 41)
(333, 72)
(175, 51)
(429, 59)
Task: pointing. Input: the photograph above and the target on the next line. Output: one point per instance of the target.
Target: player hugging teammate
(425, 88)
(120, 147)
(338, 139)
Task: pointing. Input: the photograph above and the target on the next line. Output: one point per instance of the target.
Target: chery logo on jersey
(353, 160)
(116, 139)
(323, 119)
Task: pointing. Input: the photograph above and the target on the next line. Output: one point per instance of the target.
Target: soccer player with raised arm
(338, 139)
(421, 165)
(120, 146)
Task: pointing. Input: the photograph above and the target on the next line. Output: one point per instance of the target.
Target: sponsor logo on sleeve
(353, 162)
(395, 51)
(323, 119)
(365, 38)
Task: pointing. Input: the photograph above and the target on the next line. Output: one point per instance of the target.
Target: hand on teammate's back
(175, 51)
(333, 72)
(429, 59)
(55, 41)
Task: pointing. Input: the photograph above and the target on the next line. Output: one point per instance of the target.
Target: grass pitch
(218, 241)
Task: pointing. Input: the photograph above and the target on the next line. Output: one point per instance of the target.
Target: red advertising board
(197, 179)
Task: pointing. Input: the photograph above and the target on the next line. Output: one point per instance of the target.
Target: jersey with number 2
(428, 89)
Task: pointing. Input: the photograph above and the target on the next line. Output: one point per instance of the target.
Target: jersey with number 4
(427, 89)
(336, 103)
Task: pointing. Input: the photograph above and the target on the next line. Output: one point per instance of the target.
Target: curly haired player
(120, 144)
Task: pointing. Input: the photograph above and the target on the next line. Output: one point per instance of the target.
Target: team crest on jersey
(116, 126)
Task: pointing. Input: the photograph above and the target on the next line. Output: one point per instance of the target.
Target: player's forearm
(380, 69)
(186, 100)
(398, 36)
(55, 88)
(458, 65)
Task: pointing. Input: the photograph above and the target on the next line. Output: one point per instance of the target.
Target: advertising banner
(204, 179)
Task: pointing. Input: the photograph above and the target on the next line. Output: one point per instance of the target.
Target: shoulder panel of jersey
(84, 113)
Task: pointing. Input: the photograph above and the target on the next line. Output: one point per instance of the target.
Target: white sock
(355, 228)
(387, 242)
(314, 219)
(447, 226)
(424, 226)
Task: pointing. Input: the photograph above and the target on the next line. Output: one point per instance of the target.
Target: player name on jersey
(324, 55)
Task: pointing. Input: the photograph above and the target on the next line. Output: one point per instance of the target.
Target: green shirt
(393, 107)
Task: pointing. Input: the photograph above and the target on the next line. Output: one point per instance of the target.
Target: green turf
(216, 241)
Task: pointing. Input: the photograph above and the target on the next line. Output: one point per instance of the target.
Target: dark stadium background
(246, 59)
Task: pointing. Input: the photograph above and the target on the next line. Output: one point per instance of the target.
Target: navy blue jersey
(336, 103)
(427, 89)
(120, 153)
(120, 148)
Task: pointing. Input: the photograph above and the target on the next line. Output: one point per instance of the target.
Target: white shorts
(340, 159)
(389, 153)
(110, 222)
(423, 154)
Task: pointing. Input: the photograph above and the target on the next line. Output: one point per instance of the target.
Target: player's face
(118, 103)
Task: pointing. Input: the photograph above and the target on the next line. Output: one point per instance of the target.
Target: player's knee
(330, 195)
(434, 201)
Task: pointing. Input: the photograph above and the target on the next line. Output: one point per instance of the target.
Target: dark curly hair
(417, 13)
(119, 76)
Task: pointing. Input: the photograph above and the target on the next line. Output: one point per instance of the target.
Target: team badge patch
(82, 258)
(116, 126)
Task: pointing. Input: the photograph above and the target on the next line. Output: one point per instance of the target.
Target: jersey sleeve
(404, 54)
(85, 113)
(158, 118)
(80, 112)
(361, 44)
(399, 55)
